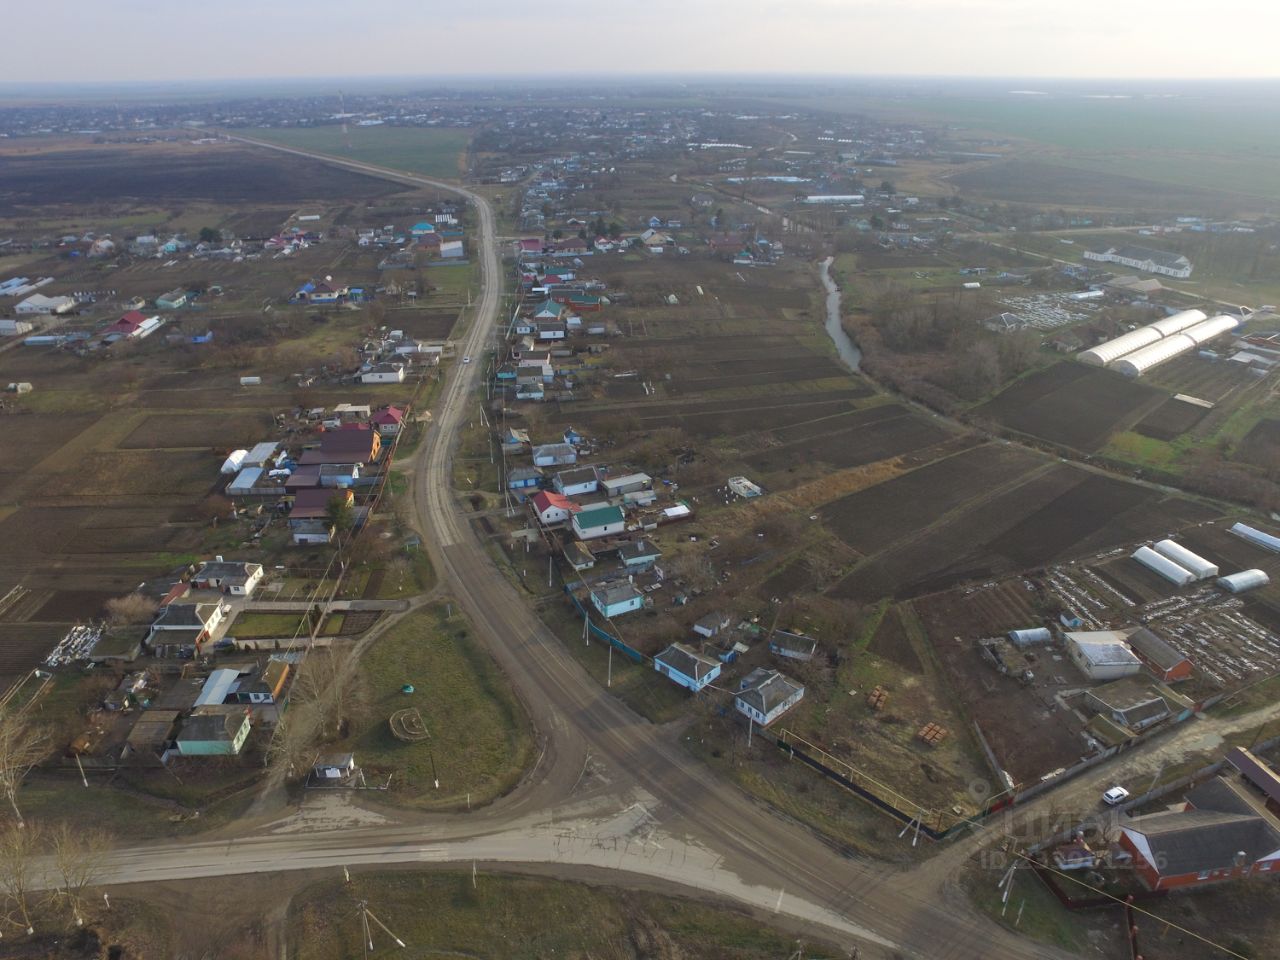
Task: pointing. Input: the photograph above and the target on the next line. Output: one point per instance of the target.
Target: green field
(454, 915)
(435, 152)
(478, 743)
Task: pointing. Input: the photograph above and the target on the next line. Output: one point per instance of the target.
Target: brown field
(1041, 183)
(1170, 420)
(876, 518)
(423, 324)
(1261, 445)
(1072, 405)
(193, 430)
(850, 439)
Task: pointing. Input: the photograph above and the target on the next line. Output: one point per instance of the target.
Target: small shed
(334, 768)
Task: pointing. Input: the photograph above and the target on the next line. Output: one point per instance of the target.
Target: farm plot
(222, 172)
(1261, 445)
(874, 519)
(1171, 419)
(1204, 379)
(162, 431)
(1072, 405)
(23, 646)
(891, 642)
(851, 439)
(133, 473)
(423, 324)
(759, 371)
(1226, 645)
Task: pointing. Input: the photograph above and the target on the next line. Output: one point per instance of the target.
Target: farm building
(219, 685)
(1129, 702)
(792, 646)
(1256, 537)
(1158, 563)
(765, 695)
(711, 624)
(629, 483)
(10, 328)
(687, 667)
(1222, 833)
(1161, 659)
(1031, 637)
(1140, 361)
(173, 300)
(615, 599)
(1102, 654)
(245, 483)
(344, 446)
(311, 532)
(599, 522)
(1112, 350)
(1145, 259)
(38, 304)
(1244, 580)
(1184, 558)
(1258, 774)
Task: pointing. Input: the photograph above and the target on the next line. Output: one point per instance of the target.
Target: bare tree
(78, 857)
(19, 846)
(132, 608)
(22, 746)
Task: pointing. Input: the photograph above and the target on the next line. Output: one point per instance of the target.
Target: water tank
(1164, 566)
(1244, 580)
(1030, 637)
(1183, 557)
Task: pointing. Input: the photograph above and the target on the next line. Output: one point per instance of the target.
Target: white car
(1115, 795)
(466, 359)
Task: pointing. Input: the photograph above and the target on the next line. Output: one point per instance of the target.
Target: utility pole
(609, 681)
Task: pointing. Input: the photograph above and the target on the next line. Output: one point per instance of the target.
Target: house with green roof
(599, 522)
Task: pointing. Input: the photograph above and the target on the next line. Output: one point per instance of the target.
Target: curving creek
(845, 346)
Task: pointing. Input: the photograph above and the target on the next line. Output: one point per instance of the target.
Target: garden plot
(1072, 404)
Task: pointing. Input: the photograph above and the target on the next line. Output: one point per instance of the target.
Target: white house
(384, 373)
(687, 667)
(599, 522)
(38, 304)
(552, 507)
(554, 455)
(1102, 654)
(765, 695)
(237, 578)
(574, 483)
(1146, 259)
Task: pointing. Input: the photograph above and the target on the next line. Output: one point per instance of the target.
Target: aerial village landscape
(899, 480)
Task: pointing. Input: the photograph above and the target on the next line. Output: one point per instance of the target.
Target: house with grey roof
(683, 665)
(1144, 258)
(764, 695)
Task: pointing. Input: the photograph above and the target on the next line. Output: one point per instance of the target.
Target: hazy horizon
(132, 42)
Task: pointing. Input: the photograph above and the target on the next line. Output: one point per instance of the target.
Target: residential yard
(252, 626)
(477, 741)
(518, 917)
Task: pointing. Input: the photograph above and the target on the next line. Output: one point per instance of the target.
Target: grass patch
(1134, 448)
(255, 625)
(519, 918)
(436, 152)
(478, 740)
(1043, 917)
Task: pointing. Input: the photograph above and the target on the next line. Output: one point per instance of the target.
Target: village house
(552, 508)
(590, 524)
(389, 372)
(345, 446)
(711, 624)
(1145, 259)
(764, 695)
(265, 684)
(524, 479)
(1221, 833)
(792, 646)
(314, 504)
(215, 733)
(183, 627)
(685, 666)
(1160, 658)
(639, 556)
(616, 598)
(237, 578)
(575, 483)
(554, 454)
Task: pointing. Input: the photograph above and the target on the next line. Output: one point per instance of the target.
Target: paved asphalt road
(610, 790)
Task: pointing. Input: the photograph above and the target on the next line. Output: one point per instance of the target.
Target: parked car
(1115, 795)
(466, 359)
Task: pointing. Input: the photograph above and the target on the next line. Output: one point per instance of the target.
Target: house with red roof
(388, 420)
(133, 325)
(552, 507)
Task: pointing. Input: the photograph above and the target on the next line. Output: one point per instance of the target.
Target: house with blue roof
(422, 228)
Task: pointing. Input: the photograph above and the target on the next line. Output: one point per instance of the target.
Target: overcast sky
(128, 40)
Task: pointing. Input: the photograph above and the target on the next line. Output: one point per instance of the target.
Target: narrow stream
(845, 346)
